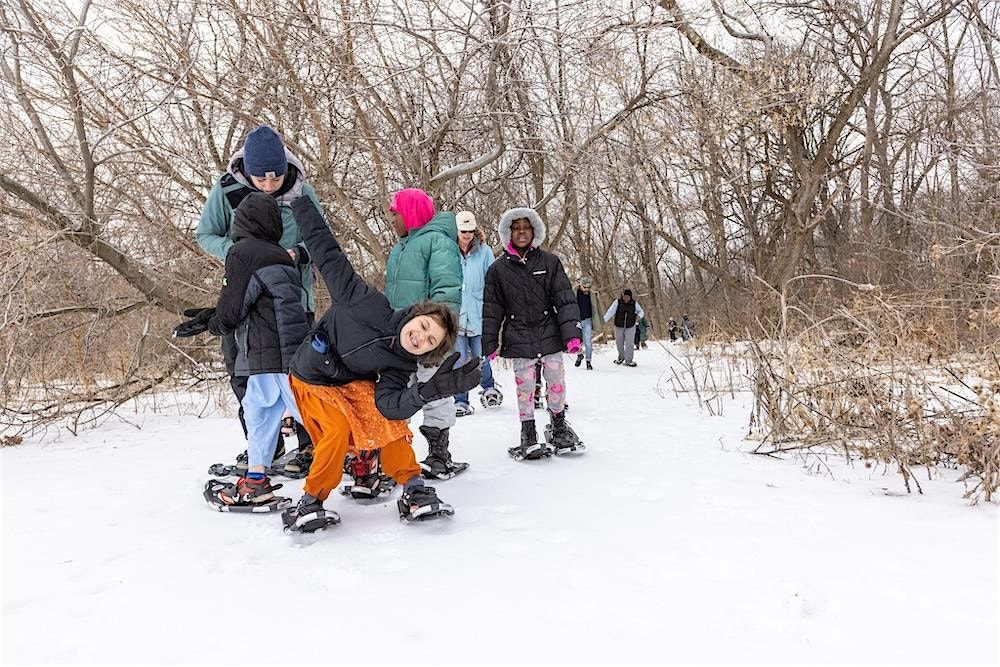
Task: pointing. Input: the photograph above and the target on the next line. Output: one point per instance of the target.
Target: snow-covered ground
(665, 543)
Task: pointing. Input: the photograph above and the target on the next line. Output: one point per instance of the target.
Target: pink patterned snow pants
(555, 377)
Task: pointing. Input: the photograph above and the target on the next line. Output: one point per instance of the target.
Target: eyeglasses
(467, 231)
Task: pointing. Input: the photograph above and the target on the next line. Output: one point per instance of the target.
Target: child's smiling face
(522, 233)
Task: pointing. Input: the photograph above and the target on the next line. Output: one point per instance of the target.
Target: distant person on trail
(260, 307)
(351, 379)
(586, 301)
(529, 314)
(626, 313)
(687, 328)
(264, 165)
(476, 260)
(641, 333)
(672, 329)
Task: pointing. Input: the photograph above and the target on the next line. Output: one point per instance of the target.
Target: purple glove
(573, 346)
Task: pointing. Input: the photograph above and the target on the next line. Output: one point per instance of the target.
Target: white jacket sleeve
(639, 312)
(611, 311)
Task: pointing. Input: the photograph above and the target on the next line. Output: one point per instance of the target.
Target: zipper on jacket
(363, 345)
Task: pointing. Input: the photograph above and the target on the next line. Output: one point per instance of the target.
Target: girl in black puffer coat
(530, 314)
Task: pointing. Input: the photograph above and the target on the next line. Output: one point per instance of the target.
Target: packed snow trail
(665, 542)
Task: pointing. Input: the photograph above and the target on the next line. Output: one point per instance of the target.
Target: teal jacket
(214, 232)
(426, 265)
(474, 267)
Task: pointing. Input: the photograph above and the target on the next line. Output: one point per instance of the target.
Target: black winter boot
(308, 516)
(560, 436)
(438, 464)
(530, 448)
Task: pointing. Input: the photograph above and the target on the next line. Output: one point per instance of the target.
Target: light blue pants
(268, 396)
(466, 345)
(588, 329)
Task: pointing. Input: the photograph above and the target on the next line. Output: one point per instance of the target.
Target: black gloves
(196, 325)
(448, 380)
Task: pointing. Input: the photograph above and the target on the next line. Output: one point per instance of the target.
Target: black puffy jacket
(529, 306)
(261, 299)
(360, 330)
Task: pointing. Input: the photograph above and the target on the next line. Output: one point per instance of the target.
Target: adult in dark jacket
(530, 313)
(626, 313)
(351, 379)
(262, 164)
(261, 307)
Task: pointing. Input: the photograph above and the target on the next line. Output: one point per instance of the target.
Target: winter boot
(299, 464)
(308, 516)
(243, 460)
(560, 436)
(491, 398)
(463, 409)
(630, 364)
(530, 448)
(419, 503)
(579, 360)
(590, 366)
(247, 491)
(438, 464)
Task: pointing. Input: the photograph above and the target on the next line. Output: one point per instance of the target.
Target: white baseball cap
(466, 221)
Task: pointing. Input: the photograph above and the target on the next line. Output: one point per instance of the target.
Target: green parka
(426, 265)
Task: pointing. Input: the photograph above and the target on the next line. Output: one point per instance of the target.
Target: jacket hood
(258, 217)
(443, 222)
(508, 218)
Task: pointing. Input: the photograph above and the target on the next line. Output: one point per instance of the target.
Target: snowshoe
(239, 468)
(438, 464)
(529, 449)
(295, 465)
(420, 503)
(491, 398)
(463, 409)
(308, 516)
(432, 468)
(372, 487)
(214, 487)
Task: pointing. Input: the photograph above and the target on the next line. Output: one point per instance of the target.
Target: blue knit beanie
(264, 154)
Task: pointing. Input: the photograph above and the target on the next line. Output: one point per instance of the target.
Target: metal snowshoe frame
(211, 493)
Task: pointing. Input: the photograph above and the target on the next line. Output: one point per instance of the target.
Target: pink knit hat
(414, 206)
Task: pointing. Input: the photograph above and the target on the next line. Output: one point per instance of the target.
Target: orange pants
(330, 430)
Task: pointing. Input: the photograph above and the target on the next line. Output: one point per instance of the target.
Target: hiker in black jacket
(530, 314)
(261, 306)
(351, 380)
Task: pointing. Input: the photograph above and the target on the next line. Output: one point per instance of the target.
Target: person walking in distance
(626, 312)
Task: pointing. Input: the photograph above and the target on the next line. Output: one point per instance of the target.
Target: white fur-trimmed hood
(508, 218)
